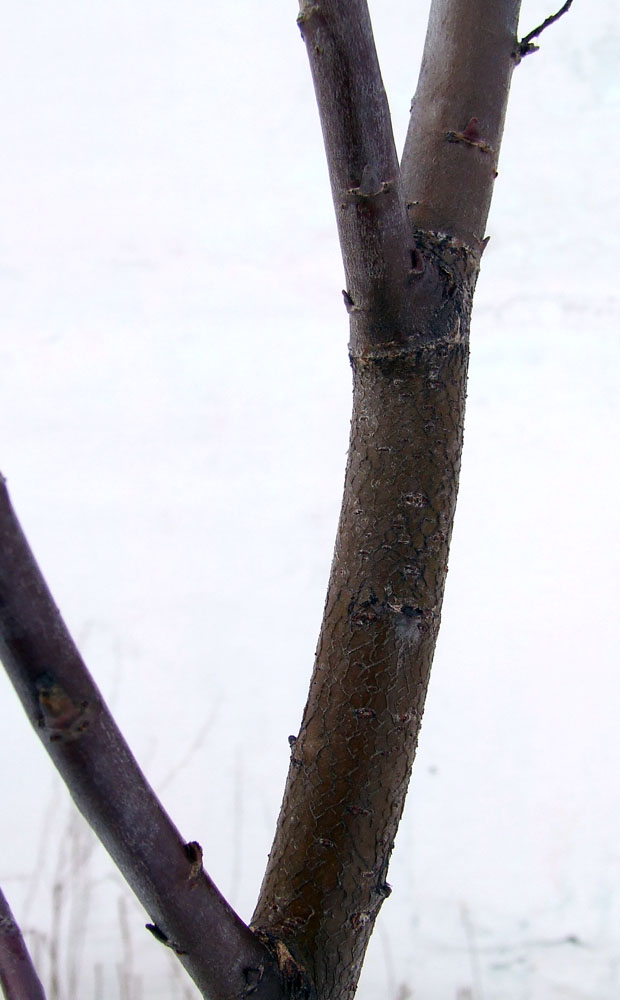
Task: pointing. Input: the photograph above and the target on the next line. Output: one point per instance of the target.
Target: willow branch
(451, 152)
(362, 160)
(18, 977)
(68, 713)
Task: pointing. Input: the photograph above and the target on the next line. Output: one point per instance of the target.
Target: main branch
(351, 761)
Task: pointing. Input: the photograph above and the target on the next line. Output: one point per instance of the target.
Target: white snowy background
(174, 405)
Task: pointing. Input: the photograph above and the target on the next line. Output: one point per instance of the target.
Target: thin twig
(18, 977)
(526, 44)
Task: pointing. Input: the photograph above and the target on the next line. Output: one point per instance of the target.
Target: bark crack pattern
(351, 760)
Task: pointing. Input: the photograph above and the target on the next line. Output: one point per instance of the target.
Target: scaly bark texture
(351, 761)
(350, 764)
(411, 238)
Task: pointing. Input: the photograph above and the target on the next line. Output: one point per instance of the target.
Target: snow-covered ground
(174, 395)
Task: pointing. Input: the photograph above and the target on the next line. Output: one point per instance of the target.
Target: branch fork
(411, 256)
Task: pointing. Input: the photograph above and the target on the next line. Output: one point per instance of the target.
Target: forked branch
(326, 878)
(68, 713)
(18, 977)
(411, 239)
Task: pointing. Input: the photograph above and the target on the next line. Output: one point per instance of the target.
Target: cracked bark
(409, 294)
(411, 236)
(350, 764)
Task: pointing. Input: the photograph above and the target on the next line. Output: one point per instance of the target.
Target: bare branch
(221, 954)
(526, 44)
(450, 158)
(362, 159)
(18, 977)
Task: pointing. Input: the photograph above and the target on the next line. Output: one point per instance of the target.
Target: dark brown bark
(18, 978)
(350, 765)
(68, 713)
(411, 239)
(351, 762)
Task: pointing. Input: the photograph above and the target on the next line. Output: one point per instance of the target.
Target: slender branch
(223, 957)
(526, 45)
(449, 163)
(18, 977)
(362, 160)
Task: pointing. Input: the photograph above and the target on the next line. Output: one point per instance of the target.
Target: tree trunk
(411, 238)
(351, 762)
